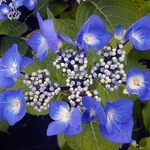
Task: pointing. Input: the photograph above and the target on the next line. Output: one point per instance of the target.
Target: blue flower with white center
(44, 40)
(11, 65)
(93, 33)
(12, 106)
(29, 4)
(119, 32)
(139, 34)
(93, 109)
(65, 120)
(4, 10)
(118, 127)
(138, 82)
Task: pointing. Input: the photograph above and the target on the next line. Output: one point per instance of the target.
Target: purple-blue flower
(93, 33)
(4, 10)
(138, 82)
(119, 32)
(118, 127)
(44, 40)
(12, 106)
(93, 110)
(139, 34)
(65, 119)
(11, 65)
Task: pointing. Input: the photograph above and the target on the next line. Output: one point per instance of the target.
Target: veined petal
(143, 22)
(30, 4)
(67, 39)
(56, 127)
(11, 62)
(17, 3)
(7, 82)
(25, 62)
(140, 38)
(146, 95)
(47, 29)
(2, 104)
(121, 133)
(56, 108)
(74, 126)
(38, 43)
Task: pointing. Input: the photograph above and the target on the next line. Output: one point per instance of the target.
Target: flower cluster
(11, 10)
(83, 103)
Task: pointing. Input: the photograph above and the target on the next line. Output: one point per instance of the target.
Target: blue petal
(143, 22)
(86, 118)
(54, 109)
(67, 39)
(2, 104)
(38, 43)
(121, 133)
(74, 126)
(30, 4)
(119, 32)
(47, 26)
(4, 10)
(25, 62)
(17, 3)
(140, 38)
(123, 110)
(6, 82)
(11, 116)
(146, 95)
(11, 60)
(56, 127)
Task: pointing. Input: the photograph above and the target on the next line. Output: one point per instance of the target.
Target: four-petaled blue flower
(93, 33)
(66, 120)
(29, 4)
(11, 65)
(93, 109)
(12, 106)
(44, 40)
(138, 82)
(139, 34)
(118, 127)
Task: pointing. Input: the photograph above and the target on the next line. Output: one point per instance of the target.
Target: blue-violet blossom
(4, 10)
(118, 127)
(138, 82)
(44, 40)
(11, 65)
(119, 32)
(139, 34)
(12, 106)
(65, 120)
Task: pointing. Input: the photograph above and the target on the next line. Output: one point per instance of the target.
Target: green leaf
(4, 126)
(62, 142)
(7, 42)
(13, 28)
(112, 12)
(58, 7)
(146, 116)
(91, 139)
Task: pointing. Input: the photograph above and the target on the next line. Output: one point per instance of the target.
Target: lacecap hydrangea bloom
(138, 82)
(11, 65)
(12, 106)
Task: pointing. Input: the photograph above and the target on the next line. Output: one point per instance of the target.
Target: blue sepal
(30, 4)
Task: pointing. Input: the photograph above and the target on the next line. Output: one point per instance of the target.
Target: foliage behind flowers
(82, 67)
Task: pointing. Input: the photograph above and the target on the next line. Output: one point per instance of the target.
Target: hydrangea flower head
(93, 33)
(138, 82)
(118, 127)
(12, 106)
(11, 65)
(65, 120)
(45, 40)
(4, 10)
(93, 109)
(139, 34)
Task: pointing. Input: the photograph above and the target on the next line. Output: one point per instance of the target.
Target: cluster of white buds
(110, 68)
(41, 89)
